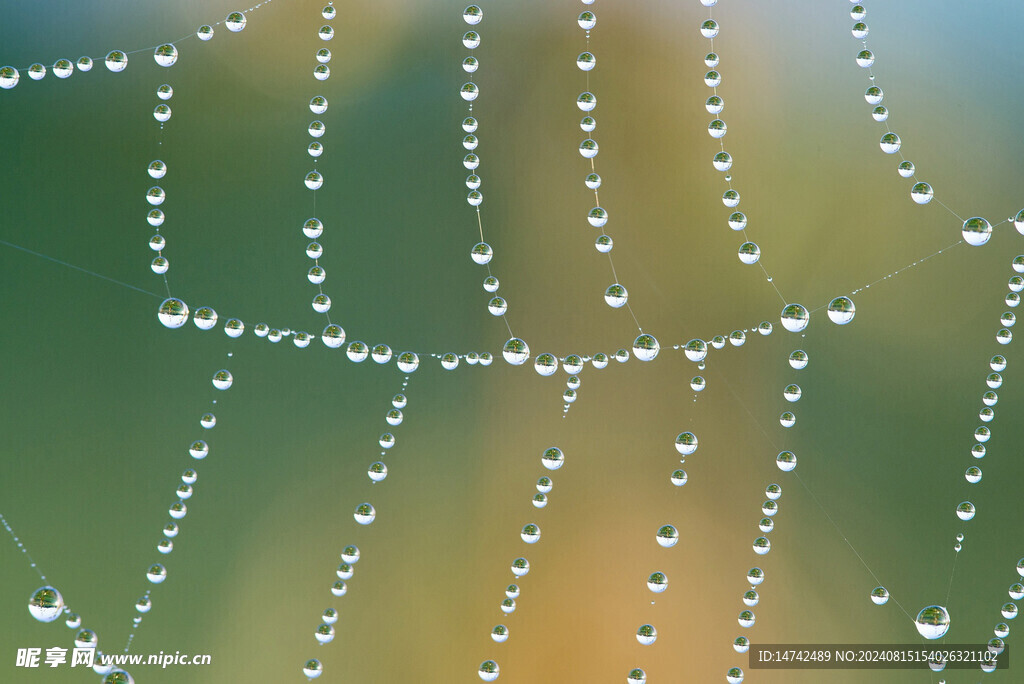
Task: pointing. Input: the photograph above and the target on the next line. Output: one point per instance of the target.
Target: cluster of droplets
(165, 54)
(696, 350)
(749, 252)
(364, 514)
(481, 253)
(46, 604)
(615, 295)
(1008, 611)
(966, 510)
(198, 449)
(976, 230)
(174, 313)
(333, 335)
(552, 459)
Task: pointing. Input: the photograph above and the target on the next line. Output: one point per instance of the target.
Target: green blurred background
(102, 402)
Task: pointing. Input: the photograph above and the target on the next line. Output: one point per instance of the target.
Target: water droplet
(795, 318)
(977, 231)
(932, 622)
(116, 60)
(235, 22)
(166, 55)
(173, 313)
(46, 604)
(667, 536)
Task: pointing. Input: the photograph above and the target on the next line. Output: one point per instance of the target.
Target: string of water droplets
(117, 60)
(748, 252)
(481, 253)
(976, 230)
(365, 513)
(552, 459)
(616, 295)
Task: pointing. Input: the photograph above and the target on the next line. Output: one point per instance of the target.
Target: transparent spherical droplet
(222, 379)
(544, 485)
(646, 347)
(318, 104)
(765, 328)
(749, 253)
(63, 68)
(622, 356)
(156, 195)
(697, 350)
(965, 510)
(235, 22)
(1016, 283)
(686, 443)
(530, 533)
(587, 20)
(516, 351)
(499, 634)
(737, 220)
(746, 619)
(714, 104)
(408, 362)
(597, 217)
(586, 101)
(997, 362)
(588, 124)
(737, 338)
(469, 91)
(1009, 611)
(471, 39)
(589, 148)
(204, 32)
(9, 77)
(157, 243)
(377, 471)
(741, 644)
(1004, 336)
(482, 253)
(321, 72)
(678, 478)
(586, 61)
(667, 536)
(364, 514)
(317, 129)
(116, 60)
(489, 670)
(156, 573)
(709, 29)
(599, 360)
(762, 546)
(786, 461)
(636, 676)
(841, 310)
(199, 450)
(313, 180)
(324, 633)
(657, 582)
(787, 419)
(1008, 319)
(312, 669)
(880, 113)
(865, 59)
(977, 231)
(697, 383)
(497, 306)
(890, 143)
(879, 596)
(712, 79)
(906, 170)
(616, 296)
(162, 113)
(646, 635)
(469, 124)
(173, 313)
(722, 161)
(552, 458)
(473, 15)
(932, 622)
(769, 508)
(157, 169)
(472, 181)
(36, 72)
(604, 244)
(711, 60)
(205, 318)
(323, 55)
(994, 380)
(734, 675)
(166, 55)
(86, 638)
(795, 317)
(46, 604)
(546, 364)
(873, 95)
